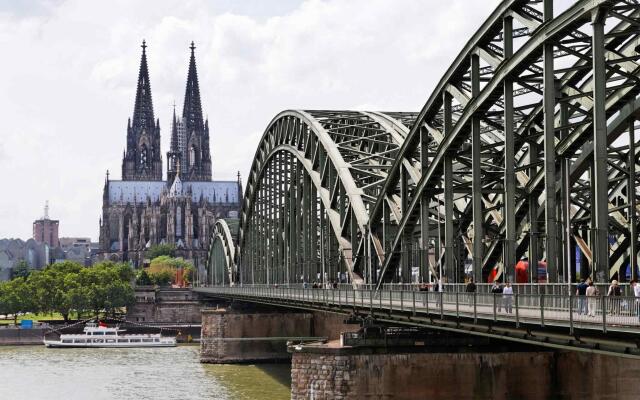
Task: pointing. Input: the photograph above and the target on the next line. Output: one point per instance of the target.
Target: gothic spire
(143, 111)
(142, 160)
(174, 133)
(192, 112)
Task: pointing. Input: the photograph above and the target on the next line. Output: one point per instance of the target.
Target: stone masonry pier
(239, 336)
(332, 371)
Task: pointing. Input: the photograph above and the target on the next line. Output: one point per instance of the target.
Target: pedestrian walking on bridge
(581, 292)
(496, 290)
(636, 294)
(507, 295)
(592, 293)
(614, 297)
(471, 291)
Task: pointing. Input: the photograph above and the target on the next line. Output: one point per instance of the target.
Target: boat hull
(57, 344)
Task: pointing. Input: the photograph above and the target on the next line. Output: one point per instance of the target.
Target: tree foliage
(158, 250)
(162, 270)
(21, 270)
(68, 286)
(143, 278)
(14, 297)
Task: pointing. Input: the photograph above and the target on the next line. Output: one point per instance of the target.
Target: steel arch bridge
(221, 259)
(524, 150)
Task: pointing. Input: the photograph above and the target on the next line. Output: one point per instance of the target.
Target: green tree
(158, 250)
(143, 278)
(162, 278)
(162, 270)
(15, 298)
(55, 289)
(66, 287)
(108, 288)
(21, 270)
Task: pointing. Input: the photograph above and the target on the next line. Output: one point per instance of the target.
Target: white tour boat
(103, 336)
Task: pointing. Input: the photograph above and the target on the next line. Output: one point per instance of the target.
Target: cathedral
(142, 209)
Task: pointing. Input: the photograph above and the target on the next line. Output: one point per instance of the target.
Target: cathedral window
(192, 156)
(179, 221)
(143, 155)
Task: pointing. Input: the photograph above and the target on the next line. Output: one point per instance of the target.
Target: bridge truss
(525, 149)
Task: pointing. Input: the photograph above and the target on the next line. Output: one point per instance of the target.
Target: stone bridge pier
(244, 333)
(479, 369)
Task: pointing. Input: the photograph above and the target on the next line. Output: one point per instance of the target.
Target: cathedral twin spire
(142, 160)
(143, 109)
(190, 134)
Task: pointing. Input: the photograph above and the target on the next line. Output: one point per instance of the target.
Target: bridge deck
(590, 322)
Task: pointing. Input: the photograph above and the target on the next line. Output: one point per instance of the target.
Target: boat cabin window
(98, 333)
(123, 340)
(111, 340)
(80, 341)
(156, 340)
(147, 340)
(109, 333)
(135, 340)
(98, 340)
(67, 341)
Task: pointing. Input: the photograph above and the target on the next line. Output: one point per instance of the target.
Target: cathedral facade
(142, 209)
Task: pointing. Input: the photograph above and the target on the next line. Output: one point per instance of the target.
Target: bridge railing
(559, 289)
(518, 288)
(593, 312)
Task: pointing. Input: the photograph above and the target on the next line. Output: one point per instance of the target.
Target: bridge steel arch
(221, 258)
(314, 177)
(525, 148)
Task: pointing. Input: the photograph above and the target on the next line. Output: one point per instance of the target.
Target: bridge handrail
(518, 288)
(601, 312)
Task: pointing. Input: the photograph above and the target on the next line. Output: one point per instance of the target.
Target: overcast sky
(68, 75)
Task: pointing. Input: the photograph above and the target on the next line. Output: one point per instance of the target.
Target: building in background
(45, 230)
(37, 255)
(44, 248)
(142, 209)
(78, 249)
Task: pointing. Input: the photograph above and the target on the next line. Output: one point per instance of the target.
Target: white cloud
(68, 76)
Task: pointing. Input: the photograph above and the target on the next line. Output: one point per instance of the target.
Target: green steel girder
(221, 265)
(617, 44)
(315, 173)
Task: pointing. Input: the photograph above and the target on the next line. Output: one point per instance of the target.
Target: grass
(36, 317)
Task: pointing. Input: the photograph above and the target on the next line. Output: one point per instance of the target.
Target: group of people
(333, 284)
(587, 293)
(507, 296)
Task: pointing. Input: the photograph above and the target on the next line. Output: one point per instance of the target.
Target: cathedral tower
(190, 134)
(142, 160)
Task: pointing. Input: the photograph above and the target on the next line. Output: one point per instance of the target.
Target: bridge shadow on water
(280, 372)
(252, 381)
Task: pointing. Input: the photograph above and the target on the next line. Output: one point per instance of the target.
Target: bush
(143, 278)
(162, 278)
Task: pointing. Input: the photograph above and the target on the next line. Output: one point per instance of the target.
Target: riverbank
(16, 336)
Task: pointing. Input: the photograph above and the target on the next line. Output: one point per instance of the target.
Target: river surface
(35, 372)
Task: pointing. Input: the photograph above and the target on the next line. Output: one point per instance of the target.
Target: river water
(35, 372)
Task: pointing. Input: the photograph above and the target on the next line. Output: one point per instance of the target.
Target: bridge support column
(333, 371)
(239, 336)
(631, 194)
(476, 177)
(601, 181)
